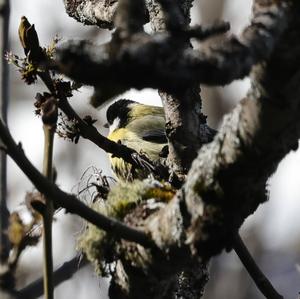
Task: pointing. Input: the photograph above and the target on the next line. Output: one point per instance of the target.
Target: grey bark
(162, 60)
(185, 124)
(227, 180)
(100, 13)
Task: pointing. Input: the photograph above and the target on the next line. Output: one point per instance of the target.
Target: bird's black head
(119, 110)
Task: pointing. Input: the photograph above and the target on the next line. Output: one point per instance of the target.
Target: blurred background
(272, 234)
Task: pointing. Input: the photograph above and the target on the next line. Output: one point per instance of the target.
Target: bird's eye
(106, 125)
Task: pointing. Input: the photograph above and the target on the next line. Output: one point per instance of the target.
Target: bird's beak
(106, 126)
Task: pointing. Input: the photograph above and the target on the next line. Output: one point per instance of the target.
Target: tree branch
(60, 275)
(130, 17)
(68, 201)
(47, 214)
(217, 64)
(176, 17)
(226, 182)
(261, 281)
(186, 126)
(99, 13)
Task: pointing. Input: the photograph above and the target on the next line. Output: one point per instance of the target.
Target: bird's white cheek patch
(115, 125)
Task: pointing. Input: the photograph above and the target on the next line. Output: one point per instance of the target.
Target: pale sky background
(278, 219)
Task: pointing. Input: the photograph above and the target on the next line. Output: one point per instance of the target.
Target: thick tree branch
(186, 126)
(65, 200)
(215, 64)
(227, 180)
(234, 58)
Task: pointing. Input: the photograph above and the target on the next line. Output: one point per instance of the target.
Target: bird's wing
(150, 128)
(155, 135)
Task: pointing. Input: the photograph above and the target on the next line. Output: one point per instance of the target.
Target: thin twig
(61, 274)
(4, 98)
(48, 214)
(260, 280)
(69, 201)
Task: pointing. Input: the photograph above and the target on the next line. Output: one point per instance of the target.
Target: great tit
(140, 127)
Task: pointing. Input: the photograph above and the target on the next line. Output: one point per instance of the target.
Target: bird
(137, 126)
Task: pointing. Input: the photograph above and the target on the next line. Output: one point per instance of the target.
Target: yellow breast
(124, 170)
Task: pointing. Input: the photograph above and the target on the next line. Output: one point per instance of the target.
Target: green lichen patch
(101, 247)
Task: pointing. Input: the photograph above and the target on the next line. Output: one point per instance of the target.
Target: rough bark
(227, 180)
(100, 13)
(162, 60)
(185, 124)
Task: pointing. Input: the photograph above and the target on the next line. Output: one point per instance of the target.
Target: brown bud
(24, 25)
(50, 112)
(35, 202)
(29, 39)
